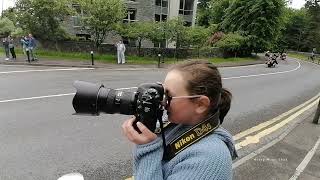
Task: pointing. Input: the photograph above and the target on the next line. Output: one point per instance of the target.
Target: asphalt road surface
(41, 139)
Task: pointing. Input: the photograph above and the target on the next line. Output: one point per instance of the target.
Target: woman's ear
(202, 104)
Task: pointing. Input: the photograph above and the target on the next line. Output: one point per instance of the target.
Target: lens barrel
(93, 98)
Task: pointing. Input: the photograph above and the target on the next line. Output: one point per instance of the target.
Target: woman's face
(180, 110)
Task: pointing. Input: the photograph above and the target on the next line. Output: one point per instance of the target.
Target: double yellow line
(278, 122)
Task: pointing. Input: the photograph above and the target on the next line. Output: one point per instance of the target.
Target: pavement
(99, 64)
(294, 155)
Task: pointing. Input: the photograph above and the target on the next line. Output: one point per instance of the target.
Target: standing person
(31, 47)
(194, 96)
(5, 44)
(313, 54)
(11, 47)
(24, 45)
(121, 48)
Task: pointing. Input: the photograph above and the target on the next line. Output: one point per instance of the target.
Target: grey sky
(297, 4)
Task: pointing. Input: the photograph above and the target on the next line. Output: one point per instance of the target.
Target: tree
(211, 11)
(43, 17)
(217, 36)
(6, 27)
(313, 10)
(197, 36)
(232, 44)
(159, 33)
(258, 20)
(177, 33)
(11, 13)
(202, 13)
(294, 31)
(136, 31)
(101, 16)
(217, 10)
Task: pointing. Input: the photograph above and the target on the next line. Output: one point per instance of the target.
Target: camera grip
(151, 125)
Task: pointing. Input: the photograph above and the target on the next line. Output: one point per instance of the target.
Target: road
(41, 139)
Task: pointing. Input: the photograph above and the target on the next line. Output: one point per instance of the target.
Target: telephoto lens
(94, 98)
(145, 104)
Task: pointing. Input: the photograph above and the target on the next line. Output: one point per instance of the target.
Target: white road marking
(305, 161)
(45, 70)
(19, 65)
(38, 97)
(50, 96)
(265, 74)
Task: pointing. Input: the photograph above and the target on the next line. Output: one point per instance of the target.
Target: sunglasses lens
(166, 100)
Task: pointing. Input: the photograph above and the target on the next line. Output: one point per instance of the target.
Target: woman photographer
(193, 95)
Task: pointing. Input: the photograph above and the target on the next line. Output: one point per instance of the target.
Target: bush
(233, 45)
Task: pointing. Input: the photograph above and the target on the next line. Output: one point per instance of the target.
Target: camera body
(145, 103)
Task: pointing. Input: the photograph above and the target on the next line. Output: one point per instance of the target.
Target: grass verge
(108, 58)
(298, 56)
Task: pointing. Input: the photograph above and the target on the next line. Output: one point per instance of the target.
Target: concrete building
(143, 10)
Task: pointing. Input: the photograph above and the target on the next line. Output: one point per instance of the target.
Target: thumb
(144, 129)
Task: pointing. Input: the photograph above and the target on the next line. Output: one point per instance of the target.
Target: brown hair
(203, 78)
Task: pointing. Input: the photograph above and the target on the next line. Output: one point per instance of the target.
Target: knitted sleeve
(147, 161)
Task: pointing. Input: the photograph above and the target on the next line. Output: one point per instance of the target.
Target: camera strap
(191, 136)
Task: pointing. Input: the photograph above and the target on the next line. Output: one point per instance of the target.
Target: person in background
(24, 45)
(5, 44)
(267, 56)
(31, 47)
(193, 96)
(121, 48)
(313, 54)
(11, 47)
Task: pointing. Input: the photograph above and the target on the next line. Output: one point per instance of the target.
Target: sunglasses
(167, 98)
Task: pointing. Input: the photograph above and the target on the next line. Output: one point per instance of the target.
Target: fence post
(316, 117)
(159, 59)
(92, 61)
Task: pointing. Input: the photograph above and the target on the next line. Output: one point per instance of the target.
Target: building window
(186, 7)
(162, 3)
(131, 16)
(162, 10)
(77, 8)
(158, 2)
(76, 22)
(164, 17)
(158, 17)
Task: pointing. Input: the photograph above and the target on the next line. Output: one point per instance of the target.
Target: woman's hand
(145, 137)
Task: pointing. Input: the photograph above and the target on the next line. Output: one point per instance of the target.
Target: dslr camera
(145, 103)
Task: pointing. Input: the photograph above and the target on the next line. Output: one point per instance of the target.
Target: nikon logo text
(204, 129)
(184, 141)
